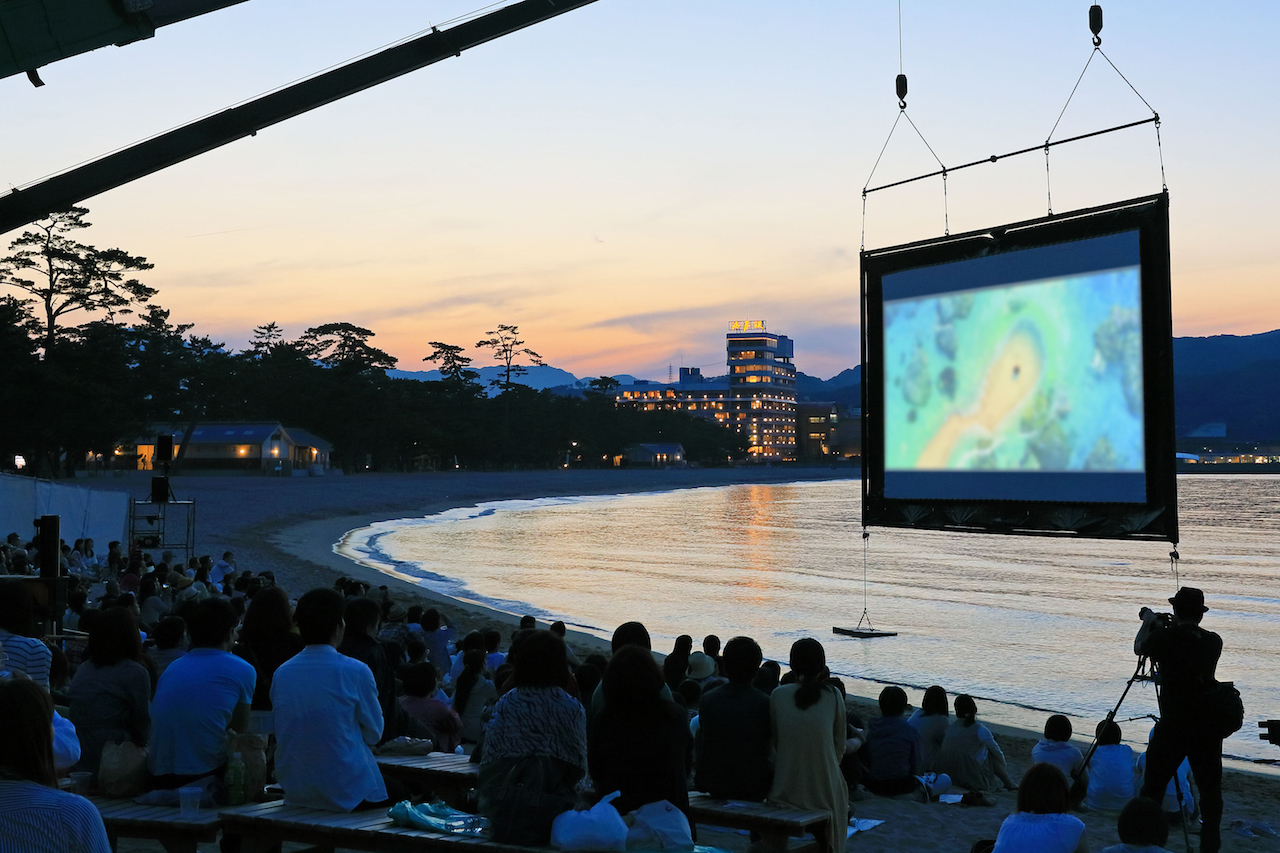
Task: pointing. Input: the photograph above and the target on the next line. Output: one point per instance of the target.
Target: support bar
(24, 206)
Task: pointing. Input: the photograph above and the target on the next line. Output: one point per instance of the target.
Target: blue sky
(623, 180)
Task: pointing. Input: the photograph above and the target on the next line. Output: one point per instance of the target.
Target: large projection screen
(1020, 379)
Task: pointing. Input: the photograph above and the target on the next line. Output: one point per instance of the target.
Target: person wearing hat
(1187, 658)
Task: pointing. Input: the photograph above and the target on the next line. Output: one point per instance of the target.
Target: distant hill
(1244, 399)
(1217, 379)
(1223, 353)
(538, 377)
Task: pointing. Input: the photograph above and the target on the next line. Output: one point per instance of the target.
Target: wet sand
(290, 525)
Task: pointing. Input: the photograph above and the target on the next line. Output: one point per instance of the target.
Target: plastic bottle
(234, 780)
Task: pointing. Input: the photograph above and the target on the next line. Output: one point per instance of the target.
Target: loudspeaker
(49, 544)
(164, 449)
(159, 490)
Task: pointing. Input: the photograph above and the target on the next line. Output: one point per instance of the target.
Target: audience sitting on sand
(1041, 824)
(931, 720)
(969, 753)
(1057, 750)
(1111, 771)
(894, 756)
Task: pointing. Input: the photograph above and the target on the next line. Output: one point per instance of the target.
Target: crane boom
(21, 207)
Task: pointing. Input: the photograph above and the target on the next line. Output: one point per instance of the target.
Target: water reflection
(1046, 623)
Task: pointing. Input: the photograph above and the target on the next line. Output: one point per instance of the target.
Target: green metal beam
(24, 206)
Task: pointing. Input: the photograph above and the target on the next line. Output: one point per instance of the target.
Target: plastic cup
(189, 801)
(81, 780)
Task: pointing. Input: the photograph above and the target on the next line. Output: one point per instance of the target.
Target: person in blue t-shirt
(200, 697)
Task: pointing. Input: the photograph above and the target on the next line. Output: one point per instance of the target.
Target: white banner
(100, 515)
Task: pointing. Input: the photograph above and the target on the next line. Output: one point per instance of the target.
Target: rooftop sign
(746, 325)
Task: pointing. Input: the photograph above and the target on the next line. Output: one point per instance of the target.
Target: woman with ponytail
(809, 732)
(969, 753)
(473, 692)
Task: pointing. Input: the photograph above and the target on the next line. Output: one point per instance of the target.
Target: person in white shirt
(1057, 750)
(1111, 771)
(326, 715)
(221, 568)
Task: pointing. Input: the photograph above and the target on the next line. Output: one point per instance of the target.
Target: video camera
(1162, 619)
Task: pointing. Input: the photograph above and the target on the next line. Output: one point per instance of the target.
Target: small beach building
(251, 446)
(657, 455)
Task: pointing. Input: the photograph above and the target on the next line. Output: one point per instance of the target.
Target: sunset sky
(623, 180)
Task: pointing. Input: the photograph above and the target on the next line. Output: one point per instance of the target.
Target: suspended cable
(1095, 24)
(995, 157)
(900, 36)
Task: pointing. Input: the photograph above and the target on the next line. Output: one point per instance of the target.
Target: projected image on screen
(1018, 379)
(1038, 376)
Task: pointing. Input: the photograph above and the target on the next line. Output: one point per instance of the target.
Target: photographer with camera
(1186, 656)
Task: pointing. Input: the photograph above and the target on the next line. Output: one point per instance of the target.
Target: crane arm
(24, 206)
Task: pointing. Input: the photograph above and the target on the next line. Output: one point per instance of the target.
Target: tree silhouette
(344, 345)
(507, 347)
(66, 275)
(454, 366)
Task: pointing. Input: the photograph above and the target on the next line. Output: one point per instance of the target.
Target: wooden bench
(124, 818)
(448, 775)
(775, 824)
(263, 825)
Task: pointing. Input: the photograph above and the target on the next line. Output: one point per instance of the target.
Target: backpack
(1222, 709)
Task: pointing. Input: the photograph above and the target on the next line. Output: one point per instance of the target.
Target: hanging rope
(1095, 24)
(866, 615)
(900, 86)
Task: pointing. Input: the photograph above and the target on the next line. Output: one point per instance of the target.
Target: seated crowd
(345, 671)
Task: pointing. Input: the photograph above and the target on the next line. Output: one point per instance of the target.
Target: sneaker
(1241, 828)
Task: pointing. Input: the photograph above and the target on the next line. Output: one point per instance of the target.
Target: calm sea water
(1031, 624)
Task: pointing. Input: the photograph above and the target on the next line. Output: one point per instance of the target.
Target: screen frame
(1156, 518)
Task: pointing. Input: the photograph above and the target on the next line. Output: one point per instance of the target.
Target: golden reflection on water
(1041, 622)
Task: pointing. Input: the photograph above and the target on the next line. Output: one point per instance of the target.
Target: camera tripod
(1145, 671)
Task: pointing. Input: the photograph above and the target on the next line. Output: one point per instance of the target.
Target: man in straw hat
(1187, 657)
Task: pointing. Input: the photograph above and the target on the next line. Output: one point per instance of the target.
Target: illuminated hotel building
(758, 399)
(762, 387)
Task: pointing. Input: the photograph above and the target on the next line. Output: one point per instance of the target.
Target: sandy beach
(289, 526)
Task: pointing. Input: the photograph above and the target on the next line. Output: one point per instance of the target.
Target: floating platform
(863, 633)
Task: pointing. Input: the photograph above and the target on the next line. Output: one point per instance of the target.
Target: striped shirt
(37, 819)
(27, 655)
